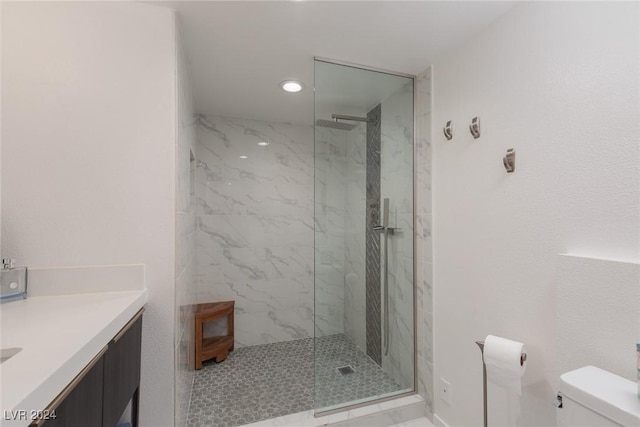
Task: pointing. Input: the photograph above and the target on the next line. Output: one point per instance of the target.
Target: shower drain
(346, 370)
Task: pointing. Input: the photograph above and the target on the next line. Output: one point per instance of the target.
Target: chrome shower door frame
(414, 237)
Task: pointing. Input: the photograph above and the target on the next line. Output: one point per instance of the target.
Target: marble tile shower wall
(330, 151)
(355, 208)
(424, 253)
(341, 205)
(255, 226)
(397, 185)
(185, 286)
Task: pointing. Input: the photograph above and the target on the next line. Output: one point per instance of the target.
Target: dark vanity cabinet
(82, 406)
(122, 375)
(100, 393)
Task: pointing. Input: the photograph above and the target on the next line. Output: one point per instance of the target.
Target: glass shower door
(364, 292)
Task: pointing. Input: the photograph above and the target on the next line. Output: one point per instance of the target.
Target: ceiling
(351, 91)
(239, 51)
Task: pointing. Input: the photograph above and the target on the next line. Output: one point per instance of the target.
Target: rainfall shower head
(335, 125)
(337, 117)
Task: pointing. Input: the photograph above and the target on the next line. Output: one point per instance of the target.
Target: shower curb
(382, 414)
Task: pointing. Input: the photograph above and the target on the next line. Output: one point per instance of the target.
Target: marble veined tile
(255, 225)
(185, 240)
(252, 296)
(246, 231)
(424, 242)
(259, 263)
(288, 155)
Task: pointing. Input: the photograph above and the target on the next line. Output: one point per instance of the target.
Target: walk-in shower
(309, 230)
(364, 274)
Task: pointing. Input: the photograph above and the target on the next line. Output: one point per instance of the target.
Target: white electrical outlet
(446, 391)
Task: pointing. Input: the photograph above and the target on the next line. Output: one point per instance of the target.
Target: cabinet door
(82, 407)
(122, 372)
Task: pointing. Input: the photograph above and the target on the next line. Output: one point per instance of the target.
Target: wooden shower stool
(213, 347)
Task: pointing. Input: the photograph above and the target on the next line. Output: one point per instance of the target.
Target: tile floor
(418, 422)
(333, 388)
(268, 381)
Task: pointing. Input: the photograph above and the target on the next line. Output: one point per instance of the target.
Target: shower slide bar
(386, 230)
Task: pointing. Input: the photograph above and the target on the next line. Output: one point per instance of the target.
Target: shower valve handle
(391, 230)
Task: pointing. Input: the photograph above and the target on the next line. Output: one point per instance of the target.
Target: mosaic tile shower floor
(268, 381)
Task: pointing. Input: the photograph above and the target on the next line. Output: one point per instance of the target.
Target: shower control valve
(389, 230)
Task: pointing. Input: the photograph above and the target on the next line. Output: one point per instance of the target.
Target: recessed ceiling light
(263, 143)
(244, 157)
(291, 86)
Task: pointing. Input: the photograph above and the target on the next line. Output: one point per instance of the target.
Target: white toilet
(592, 397)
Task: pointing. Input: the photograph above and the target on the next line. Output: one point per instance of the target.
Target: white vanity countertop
(59, 335)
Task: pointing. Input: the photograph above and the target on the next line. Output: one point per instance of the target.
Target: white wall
(88, 105)
(587, 289)
(559, 83)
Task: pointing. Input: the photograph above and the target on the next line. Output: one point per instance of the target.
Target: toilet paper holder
(480, 343)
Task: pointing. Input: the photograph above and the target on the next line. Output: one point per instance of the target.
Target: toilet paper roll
(502, 358)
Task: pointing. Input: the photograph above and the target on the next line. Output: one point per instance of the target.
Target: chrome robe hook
(509, 160)
(474, 127)
(448, 131)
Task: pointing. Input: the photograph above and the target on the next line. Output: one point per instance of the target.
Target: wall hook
(474, 127)
(509, 160)
(448, 131)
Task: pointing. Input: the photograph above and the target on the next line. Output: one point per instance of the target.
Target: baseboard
(438, 421)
